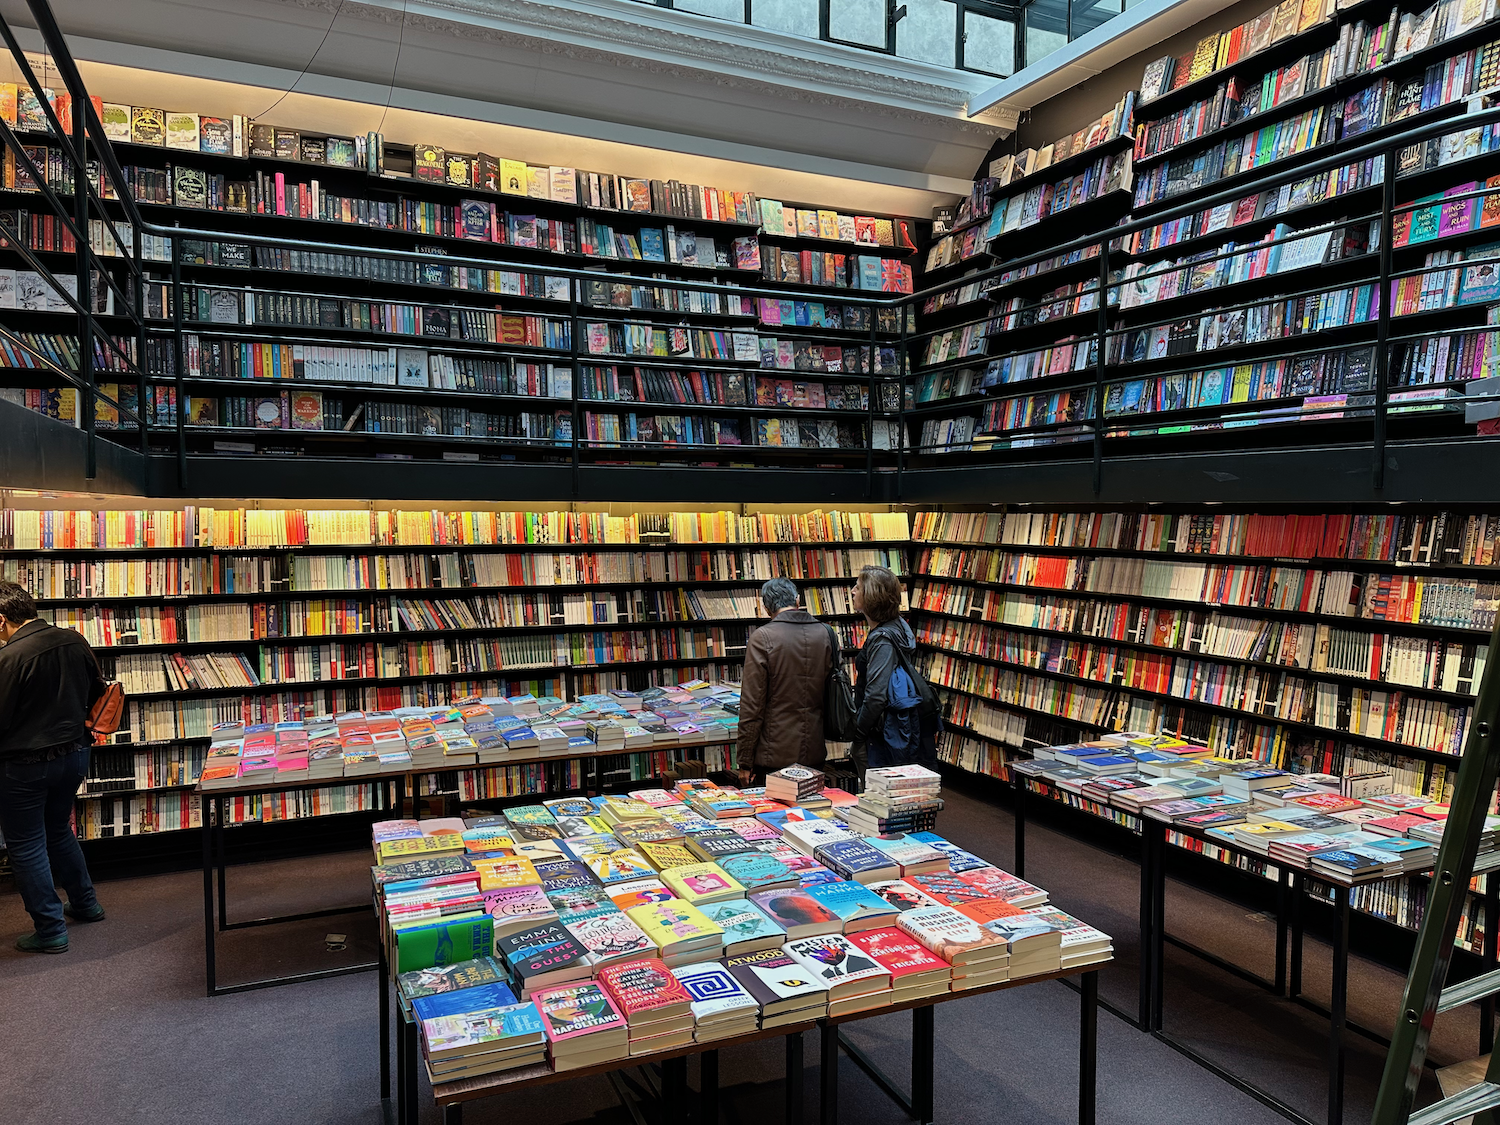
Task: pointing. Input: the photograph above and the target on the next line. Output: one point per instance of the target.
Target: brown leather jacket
(781, 695)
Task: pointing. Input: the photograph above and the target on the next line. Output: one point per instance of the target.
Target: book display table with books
(389, 752)
(645, 928)
(1297, 829)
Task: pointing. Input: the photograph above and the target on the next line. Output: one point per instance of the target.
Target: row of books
(717, 388)
(1442, 665)
(475, 730)
(1118, 122)
(1311, 822)
(127, 626)
(678, 429)
(1410, 599)
(783, 220)
(804, 938)
(1384, 102)
(1422, 538)
(1219, 50)
(1251, 695)
(220, 573)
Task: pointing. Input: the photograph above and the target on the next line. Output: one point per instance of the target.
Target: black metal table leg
(794, 1074)
(673, 1091)
(708, 1087)
(453, 1114)
(1281, 927)
(384, 984)
(205, 812)
(1088, 1046)
(828, 1076)
(413, 1070)
(1158, 921)
(1147, 920)
(922, 1045)
(220, 864)
(1019, 822)
(1338, 1005)
(1299, 892)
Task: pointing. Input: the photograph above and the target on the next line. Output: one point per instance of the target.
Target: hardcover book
(839, 965)
(747, 928)
(797, 912)
(645, 990)
(779, 984)
(857, 906)
(953, 937)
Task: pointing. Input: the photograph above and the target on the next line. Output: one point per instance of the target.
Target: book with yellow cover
(508, 871)
(664, 855)
(447, 843)
(676, 927)
(828, 224)
(702, 883)
(513, 177)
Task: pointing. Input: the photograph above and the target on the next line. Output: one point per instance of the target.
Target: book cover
(746, 927)
(716, 994)
(461, 976)
(644, 990)
(575, 1011)
(609, 937)
(838, 964)
(483, 1030)
(777, 981)
(675, 924)
(701, 882)
(952, 936)
(797, 912)
(857, 906)
(456, 1002)
(900, 954)
(444, 942)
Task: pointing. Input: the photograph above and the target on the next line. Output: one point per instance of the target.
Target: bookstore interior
(1113, 382)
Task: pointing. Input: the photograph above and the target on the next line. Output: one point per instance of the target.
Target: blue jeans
(36, 801)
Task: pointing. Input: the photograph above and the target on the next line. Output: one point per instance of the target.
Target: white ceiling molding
(611, 70)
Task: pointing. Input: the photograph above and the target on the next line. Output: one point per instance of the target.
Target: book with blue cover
(959, 860)
(858, 907)
(456, 1003)
(856, 859)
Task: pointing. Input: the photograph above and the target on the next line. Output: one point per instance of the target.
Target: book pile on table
(634, 924)
(477, 731)
(797, 785)
(896, 799)
(1351, 830)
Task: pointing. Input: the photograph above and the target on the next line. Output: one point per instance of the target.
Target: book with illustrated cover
(858, 907)
(756, 871)
(457, 977)
(645, 991)
(582, 1019)
(952, 936)
(181, 131)
(444, 942)
(747, 929)
(610, 937)
(471, 998)
(701, 883)
(148, 126)
(839, 965)
(779, 984)
(797, 912)
(719, 1000)
(618, 865)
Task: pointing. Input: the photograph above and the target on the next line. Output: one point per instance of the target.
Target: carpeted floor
(118, 1029)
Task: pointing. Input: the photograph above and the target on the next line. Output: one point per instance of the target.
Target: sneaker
(94, 914)
(35, 943)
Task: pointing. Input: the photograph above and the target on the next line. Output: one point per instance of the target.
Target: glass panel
(927, 31)
(1041, 42)
(989, 44)
(857, 21)
(723, 9)
(796, 17)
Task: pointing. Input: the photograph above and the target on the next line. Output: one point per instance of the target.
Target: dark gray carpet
(119, 1026)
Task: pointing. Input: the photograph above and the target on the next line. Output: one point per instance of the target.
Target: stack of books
(657, 1008)
(722, 1008)
(978, 956)
(470, 1043)
(795, 785)
(786, 992)
(855, 981)
(583, 1026)
(896, 799)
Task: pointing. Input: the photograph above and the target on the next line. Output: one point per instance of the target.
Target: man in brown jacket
(781, 696)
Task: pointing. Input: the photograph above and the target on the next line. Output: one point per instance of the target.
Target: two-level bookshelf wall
(344, 332)
(1255, 318)
(1316, 642)
(210, 615)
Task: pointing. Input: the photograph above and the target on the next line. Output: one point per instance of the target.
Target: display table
(1292, 896)
(452, 1096)
(393, 787)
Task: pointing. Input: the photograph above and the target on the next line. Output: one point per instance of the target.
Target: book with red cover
(994, 883)
(907, 959)
(947, 889)
(645, 990)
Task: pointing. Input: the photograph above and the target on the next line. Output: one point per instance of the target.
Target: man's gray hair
(778, 594)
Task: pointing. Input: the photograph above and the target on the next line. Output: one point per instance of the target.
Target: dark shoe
(93, 914)
(35, 943)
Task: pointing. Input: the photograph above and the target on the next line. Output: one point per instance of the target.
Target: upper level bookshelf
(667, 335)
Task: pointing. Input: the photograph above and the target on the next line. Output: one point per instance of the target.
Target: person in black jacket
(889, 644)
(48, 681)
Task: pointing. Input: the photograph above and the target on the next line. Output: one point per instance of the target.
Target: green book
(444, 942)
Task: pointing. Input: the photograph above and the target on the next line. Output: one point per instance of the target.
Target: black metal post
(413, 1069)
(874, 393)
(1147, 920)
(1088, 1046)
(138, 294)
(85, 298)
(1383, 322)
(828, 1076)
(1100, 360)
(453, 1114)
(1019, 826)
(923, 1041)
(576, 372)
(794, 1076)
(206, 815)
(1294, 978)
(179, 360)
(220, 864)
(384, 984)
(1338, 1005)
(708, 1087)
(903, 365)
(673, 1090)
(1158, 918)
(1281, 927)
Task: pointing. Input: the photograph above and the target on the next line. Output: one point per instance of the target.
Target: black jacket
(873, 667)
(781, 693)
(48, 681)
